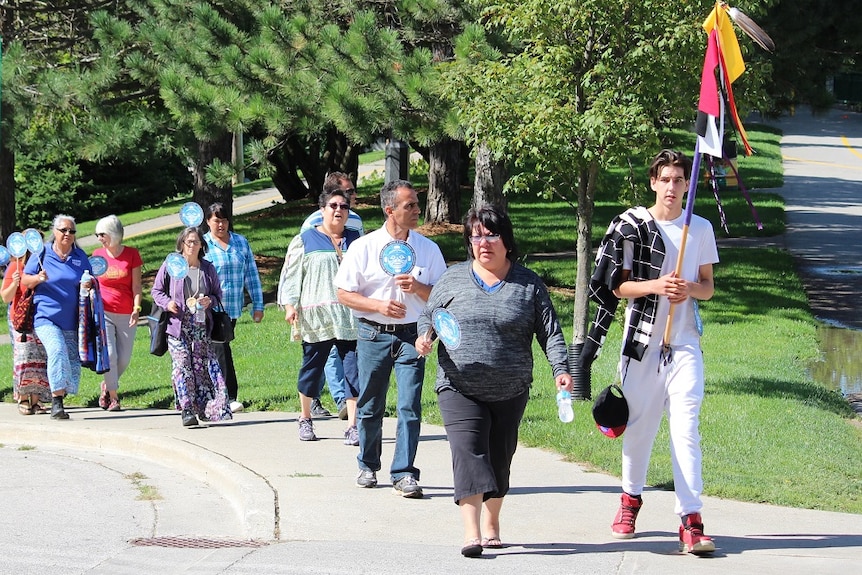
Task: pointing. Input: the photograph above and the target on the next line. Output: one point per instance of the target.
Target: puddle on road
(840, 366)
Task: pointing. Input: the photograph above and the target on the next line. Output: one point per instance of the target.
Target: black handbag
(158, 324)
(223, 329)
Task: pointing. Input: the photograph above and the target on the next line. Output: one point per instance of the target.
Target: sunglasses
(101, 234)
(69, 231)
(335, 206)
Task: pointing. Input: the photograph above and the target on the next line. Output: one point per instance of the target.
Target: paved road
(823, 195)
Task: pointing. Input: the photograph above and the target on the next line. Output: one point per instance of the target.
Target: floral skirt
(29, 367)
(197, 377)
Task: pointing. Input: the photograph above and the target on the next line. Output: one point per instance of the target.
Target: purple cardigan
(161, 297)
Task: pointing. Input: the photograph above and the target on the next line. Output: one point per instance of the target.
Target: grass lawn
(770, 434)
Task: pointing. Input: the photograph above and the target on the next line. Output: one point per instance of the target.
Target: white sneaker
(236, 406)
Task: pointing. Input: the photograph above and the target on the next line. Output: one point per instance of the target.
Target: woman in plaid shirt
(234, 262)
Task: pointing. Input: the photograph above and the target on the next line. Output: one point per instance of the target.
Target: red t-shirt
(116, 283)
(14, 264)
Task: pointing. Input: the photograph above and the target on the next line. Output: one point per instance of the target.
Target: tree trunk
(586, 199)
(221, 147)
(7, 191)
(490, 177)
(444, 197)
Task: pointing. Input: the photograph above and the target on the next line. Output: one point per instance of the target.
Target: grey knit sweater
(494, 360)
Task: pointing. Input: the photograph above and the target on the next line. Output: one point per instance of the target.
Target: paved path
(244, 204)
(823, 195)
(73, 500)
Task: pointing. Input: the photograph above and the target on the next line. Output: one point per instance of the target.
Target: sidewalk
(299, 501)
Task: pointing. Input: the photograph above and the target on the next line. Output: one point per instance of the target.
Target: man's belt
(389, 327)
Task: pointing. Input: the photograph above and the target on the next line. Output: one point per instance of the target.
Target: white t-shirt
(361, 272)
(700, 249)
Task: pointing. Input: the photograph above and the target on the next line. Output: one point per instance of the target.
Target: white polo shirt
(361, 272)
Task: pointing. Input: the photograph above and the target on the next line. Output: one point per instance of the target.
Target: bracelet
(137, 309)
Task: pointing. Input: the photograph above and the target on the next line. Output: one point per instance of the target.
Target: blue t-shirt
(56, 300)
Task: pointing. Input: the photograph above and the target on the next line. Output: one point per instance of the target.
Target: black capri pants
(483, 437)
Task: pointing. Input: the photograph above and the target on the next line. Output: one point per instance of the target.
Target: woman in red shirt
(121, 295)
(29, 365)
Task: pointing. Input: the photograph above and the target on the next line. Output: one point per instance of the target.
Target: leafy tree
(815, 39)
(582, 85)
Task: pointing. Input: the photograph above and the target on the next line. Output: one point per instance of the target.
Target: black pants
(225, 360)
(483, 437)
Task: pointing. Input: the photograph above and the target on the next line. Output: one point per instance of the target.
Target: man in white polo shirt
(387, 304)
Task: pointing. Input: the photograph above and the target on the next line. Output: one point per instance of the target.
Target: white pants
(652, 389)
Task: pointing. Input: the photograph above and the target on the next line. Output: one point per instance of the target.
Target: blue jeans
(314, 356)
(334, 371)
(377, 354)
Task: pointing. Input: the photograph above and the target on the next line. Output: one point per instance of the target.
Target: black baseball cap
(611, 411)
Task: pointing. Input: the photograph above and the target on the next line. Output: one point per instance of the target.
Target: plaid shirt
(236, 270)
(635, 225)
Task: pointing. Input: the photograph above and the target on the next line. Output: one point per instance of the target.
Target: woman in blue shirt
(56, 279)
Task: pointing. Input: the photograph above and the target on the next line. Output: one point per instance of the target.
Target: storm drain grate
(195, 542)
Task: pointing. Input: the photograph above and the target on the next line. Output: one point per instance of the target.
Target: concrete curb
(252, 498)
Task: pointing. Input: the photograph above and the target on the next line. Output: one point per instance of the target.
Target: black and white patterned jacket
(637, 226)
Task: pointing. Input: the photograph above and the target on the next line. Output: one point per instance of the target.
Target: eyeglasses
(191, 243)
(69, 231)
(490, 238)
(349, 191)
(335, 206)
(101, 234)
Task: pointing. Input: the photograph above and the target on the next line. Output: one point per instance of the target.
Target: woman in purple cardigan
(199, 386)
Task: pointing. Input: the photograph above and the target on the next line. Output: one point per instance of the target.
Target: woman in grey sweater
(486, 312)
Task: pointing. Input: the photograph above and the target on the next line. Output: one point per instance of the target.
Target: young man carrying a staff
(638, 260)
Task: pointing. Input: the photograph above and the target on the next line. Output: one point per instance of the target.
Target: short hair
(495, 219)
(669, 158)
(59, 218)
(218, 210)
(327, 195)
(185, 234)
(388, 192)
(333, 182)
(112, 226)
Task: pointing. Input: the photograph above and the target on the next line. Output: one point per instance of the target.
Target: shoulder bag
(223, 330)
(158, 324)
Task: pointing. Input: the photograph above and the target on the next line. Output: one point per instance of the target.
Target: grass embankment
(770, 434)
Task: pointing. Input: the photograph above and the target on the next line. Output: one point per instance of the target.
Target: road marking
(846, 142)
(819, 163)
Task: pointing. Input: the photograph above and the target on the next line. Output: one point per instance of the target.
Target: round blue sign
(16, 245)
(99, 265)
(191, 214)
(34, 240)
(4, 256)
(447, 327)
(397, 257)
(177, 265)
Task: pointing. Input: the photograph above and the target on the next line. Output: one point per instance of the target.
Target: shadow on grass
(807, 393)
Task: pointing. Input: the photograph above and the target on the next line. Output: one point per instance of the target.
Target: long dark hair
(495, 219)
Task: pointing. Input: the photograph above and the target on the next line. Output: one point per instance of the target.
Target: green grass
(770, 433)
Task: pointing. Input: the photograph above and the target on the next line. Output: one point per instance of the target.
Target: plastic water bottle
(564, 406)
(200, 314)
(85, 278)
